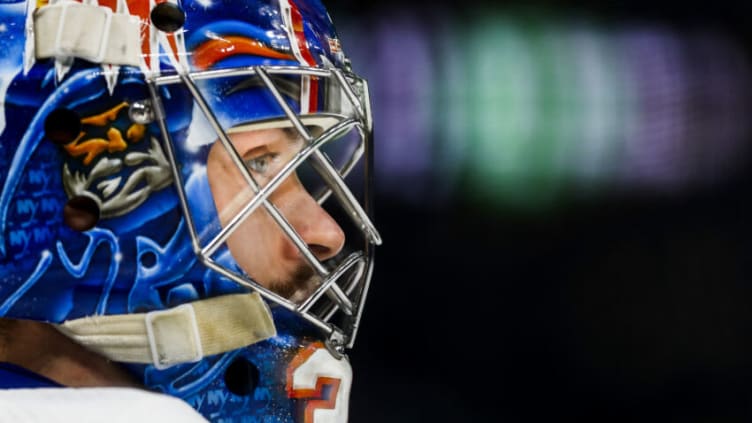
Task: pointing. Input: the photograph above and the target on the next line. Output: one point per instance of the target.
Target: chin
(304, 289)
(298, 296)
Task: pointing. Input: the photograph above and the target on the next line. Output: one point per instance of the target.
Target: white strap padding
(86, 31)
(183, 334)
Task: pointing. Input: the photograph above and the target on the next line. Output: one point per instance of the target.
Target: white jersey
(93, 405)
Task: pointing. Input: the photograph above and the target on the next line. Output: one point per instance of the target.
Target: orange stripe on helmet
(212, 51)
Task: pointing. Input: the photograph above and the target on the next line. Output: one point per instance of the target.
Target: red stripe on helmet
(299, 30)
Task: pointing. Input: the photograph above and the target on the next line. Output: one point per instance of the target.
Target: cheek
(290, 208)
(229, 193)
(290, 252)
(273, 243)
(259, 236)
(261, 248)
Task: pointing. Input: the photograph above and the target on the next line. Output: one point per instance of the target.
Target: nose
(316, 227)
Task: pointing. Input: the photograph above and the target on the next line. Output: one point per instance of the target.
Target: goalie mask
(185, 191)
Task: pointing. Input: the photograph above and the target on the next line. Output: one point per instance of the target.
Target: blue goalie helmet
(185, 190)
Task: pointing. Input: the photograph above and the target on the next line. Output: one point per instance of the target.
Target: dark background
(630, 305)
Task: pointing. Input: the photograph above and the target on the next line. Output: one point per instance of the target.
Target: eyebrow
(286, 138)
(285, 86)
(292, 134)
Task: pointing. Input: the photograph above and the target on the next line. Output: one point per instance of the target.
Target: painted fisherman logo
(112, 162)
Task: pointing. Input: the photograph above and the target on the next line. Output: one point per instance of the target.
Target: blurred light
(402, 91)
(526, 110)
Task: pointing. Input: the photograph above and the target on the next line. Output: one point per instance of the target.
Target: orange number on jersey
(324, 381)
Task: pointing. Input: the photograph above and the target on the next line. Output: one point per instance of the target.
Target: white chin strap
(183, 334)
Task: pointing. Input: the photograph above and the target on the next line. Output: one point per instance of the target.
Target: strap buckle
(173, 336)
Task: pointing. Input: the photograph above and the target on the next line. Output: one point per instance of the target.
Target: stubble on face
(299, 286)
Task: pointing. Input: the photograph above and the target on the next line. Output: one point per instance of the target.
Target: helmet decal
(100, 176)
(158, 49)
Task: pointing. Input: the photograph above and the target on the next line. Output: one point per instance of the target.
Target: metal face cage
(336, 304)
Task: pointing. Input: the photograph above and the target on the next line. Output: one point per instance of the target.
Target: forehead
(262, 137)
